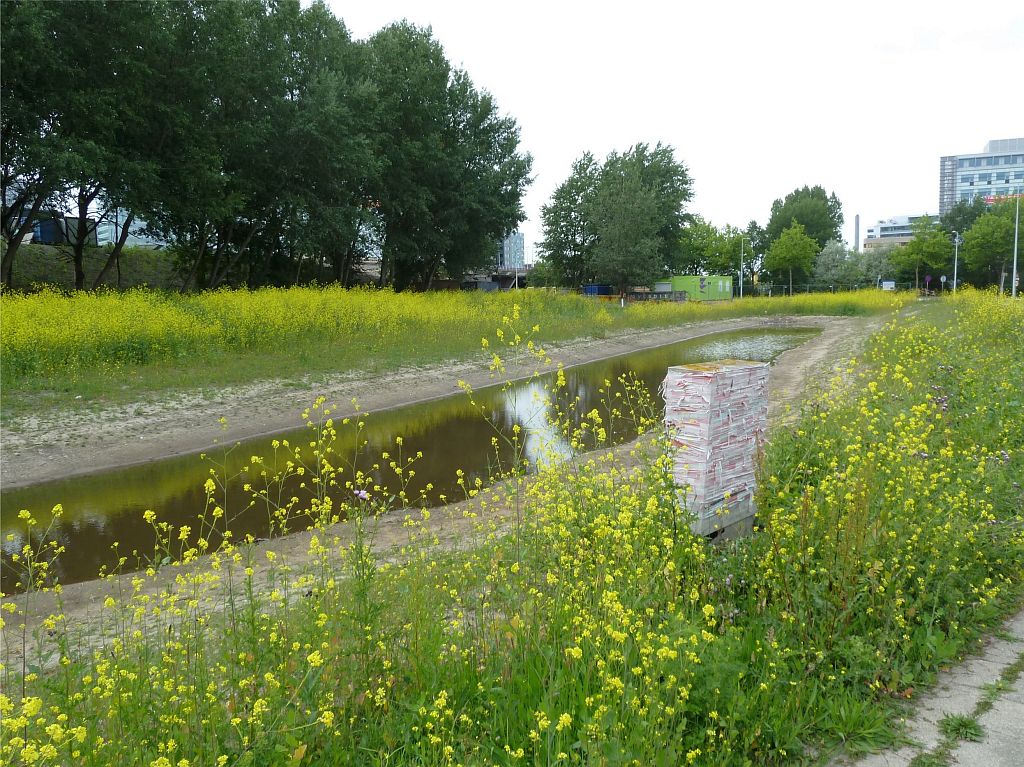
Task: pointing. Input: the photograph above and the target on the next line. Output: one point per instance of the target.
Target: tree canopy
(618, 222)
(931, 248)
(988, 245)
(707, 249)
(963, 214)
(820, 213)
(793, 250)
(274, 145)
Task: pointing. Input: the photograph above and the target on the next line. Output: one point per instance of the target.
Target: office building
(996, 172)
(512, 252)
(898, 230)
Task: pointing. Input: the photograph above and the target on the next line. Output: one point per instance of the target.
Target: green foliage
(625, 222)
(960, 727)
(820, 213)
(707, 249)
(963, 214)
(276, 144)
(836, 265)
(792, 250)
(931, 249)
(619, 222)
(568, 242)
(988, 245)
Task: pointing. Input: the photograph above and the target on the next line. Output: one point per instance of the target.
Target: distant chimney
(856, 233)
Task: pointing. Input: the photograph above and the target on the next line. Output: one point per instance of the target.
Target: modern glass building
(512, 253)
(996, 172)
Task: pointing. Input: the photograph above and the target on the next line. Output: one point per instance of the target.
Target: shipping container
(703, 288)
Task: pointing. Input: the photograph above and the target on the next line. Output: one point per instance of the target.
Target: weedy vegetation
(57, 346)
(588, 627)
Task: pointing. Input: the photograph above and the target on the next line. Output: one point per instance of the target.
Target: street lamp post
(742, 238)
(1016, 238)
(956, 255)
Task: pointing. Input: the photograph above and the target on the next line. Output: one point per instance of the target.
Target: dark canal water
(107, 508)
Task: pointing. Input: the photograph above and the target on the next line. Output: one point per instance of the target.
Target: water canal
(103, 512)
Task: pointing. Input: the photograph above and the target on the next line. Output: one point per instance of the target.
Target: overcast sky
(756, 98)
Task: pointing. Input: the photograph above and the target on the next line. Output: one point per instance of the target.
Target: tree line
(255, 135)
(624, 222)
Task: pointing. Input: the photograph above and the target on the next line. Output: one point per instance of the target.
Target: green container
(713, 287)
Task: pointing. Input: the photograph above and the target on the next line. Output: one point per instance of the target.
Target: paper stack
(716, 414)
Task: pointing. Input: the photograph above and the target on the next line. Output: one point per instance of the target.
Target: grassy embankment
(72, 351)
(596, 630)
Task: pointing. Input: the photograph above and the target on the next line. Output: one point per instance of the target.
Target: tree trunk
(82, 232)
(217, 279)
(791, 283)
(204, 239)
(115, 254)
(23, 229)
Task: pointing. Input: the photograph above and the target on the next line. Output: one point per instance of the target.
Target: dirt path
(794, 374)
(57, 445)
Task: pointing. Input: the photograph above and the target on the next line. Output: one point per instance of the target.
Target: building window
(984, 178)
(1002, 177)
(967, 178)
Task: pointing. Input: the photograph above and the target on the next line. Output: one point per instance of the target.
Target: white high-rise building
(996, 172)
(512, 253)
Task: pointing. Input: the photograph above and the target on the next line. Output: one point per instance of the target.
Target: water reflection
(103, 509)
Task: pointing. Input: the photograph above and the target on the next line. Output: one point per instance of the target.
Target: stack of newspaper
(716, 414)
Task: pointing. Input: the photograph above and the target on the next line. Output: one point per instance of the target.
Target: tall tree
(962, 215)
(836, 265)
(930, 249)
(792, 250)
(36, 78)
(656, 169)
(580, 225)
(452, 177)
(568, 244)
(988, 244)
(626, 224)
(820, 213)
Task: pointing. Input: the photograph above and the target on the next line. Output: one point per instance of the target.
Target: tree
(963, 214)
(568, 243)
(988, 245)
(452, 177)
(585, 237)
(875, 264)
(793, 249)
(835, 265)
(820, 213)
(626, 225)
(274, 142)
(710, 250)
(38, 83)
(668, 181)
(930, 249)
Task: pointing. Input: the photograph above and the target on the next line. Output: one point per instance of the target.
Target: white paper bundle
(716, 414)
